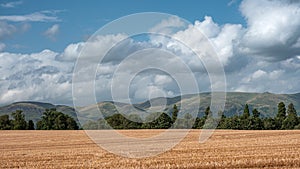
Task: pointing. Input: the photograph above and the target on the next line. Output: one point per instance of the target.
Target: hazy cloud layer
(2, 47)
(41, 16)
(6, 30)
(13, 24)
(11, 4)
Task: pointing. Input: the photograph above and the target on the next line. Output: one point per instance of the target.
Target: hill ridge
(265, 102)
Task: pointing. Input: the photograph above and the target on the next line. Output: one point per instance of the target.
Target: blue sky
(79, 19)
(256, 41)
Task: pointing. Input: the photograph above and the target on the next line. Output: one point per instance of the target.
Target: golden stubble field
(225, 149)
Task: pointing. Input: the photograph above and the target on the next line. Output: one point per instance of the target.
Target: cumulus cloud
(256, 55)
(265, 50)
(98, 45)
(259, 74)
(36, 76)
(273, 32)
(71, 52)
(52, 32)
(152, 85)
(263, 81)
(208, 27)
(166, 26)
(199, 37)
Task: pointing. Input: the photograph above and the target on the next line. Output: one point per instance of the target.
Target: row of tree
(17, 123)
(51, 120)
(54, 120)
(285, 119)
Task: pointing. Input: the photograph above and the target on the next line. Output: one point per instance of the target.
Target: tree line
(285, 119)
(54, 120)
(51, 120)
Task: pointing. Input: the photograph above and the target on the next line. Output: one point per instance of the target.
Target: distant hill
(34, 110)
(266, 103)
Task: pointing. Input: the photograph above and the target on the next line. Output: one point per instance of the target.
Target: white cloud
(275, 81)
(291, 64)
(71, 52)
(98, 45)
(276, 74)
(199, 37)
(272, 29)
(144, 87)
(11, 4)
(223, 38)
(162, 79)
(42, 16)
(275, 77)
(255, 56)
(259, 74)
(252, 54)
(36, 76)
(225, 41)
(52, 32)
(166, 26)
(208, 27)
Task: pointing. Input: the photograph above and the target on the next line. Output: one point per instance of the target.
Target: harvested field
(225, 149)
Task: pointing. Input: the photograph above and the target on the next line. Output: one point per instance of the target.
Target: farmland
(225, 149)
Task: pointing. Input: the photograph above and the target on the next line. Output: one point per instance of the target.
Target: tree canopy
(54, 120)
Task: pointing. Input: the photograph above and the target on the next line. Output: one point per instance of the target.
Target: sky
(257, 42)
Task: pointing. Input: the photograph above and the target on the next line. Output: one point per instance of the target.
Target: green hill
(34, 110)
(266, 103)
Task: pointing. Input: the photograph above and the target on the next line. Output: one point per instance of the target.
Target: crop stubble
(225, 149)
